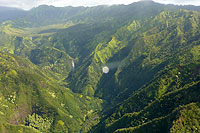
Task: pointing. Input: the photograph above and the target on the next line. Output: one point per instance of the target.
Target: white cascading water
(73, 65)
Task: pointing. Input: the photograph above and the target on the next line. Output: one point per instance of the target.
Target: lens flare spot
(105, 69)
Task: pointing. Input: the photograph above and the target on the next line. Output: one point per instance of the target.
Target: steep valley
(51, 77)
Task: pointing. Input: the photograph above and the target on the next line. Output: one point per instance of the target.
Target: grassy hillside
(30, 98)
(154, 103)
(139, 48)
(167, 74)
(51, 63)
(182, 119)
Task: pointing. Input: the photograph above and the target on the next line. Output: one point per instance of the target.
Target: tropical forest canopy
(120, 68)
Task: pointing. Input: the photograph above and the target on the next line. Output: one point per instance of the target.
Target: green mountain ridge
(46, 15)
(9, 13)
(120, 119)
(147, 55)
(51, 69)
(159, 92)
(26, 90)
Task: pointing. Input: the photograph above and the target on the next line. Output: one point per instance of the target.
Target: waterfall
(73, 65)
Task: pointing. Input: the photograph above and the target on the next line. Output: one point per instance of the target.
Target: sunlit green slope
(30, 99)
(151, 50)
(164, 64)
(141, 48)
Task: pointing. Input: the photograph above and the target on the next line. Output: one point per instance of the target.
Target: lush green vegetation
(28, 96)
(165, 69)
(51, 64)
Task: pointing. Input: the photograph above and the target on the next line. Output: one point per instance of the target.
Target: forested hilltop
(51, 61)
